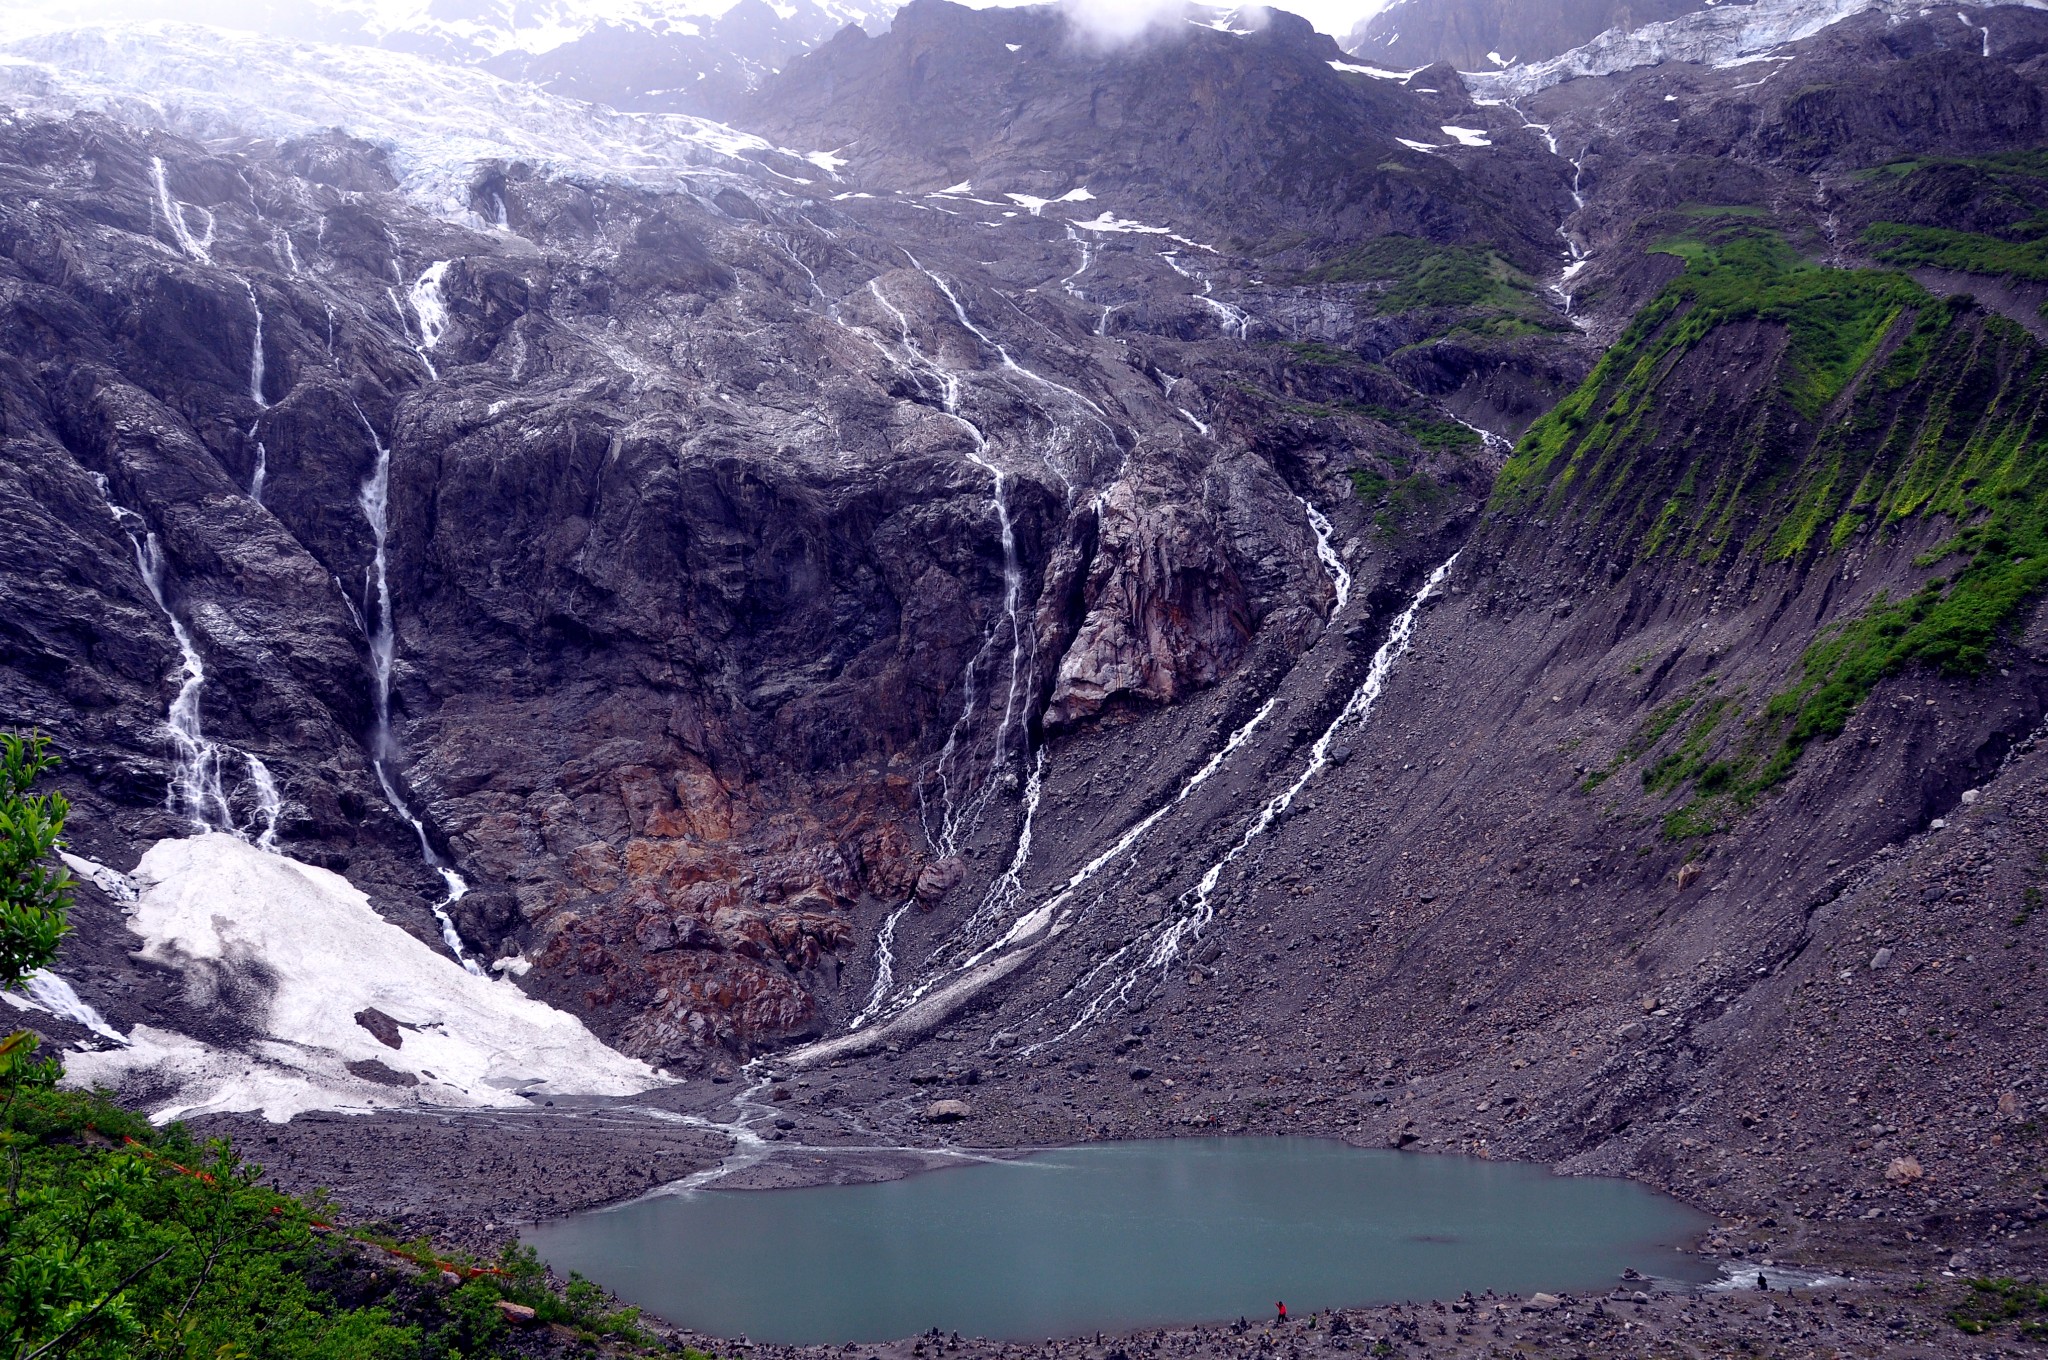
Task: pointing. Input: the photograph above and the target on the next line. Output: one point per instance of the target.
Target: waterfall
(269, 804)
(959, 818)
(1576, 255)
(262, 471)
(198, 248)
(1087, 247)
(1195, 908)
(1234, 321)
(951, 988)
(430, 306)
(195, 789)
(375, 499)
(996, 905)
(1054, 914)
(1333, 563)
(885, 968)
(256, 351)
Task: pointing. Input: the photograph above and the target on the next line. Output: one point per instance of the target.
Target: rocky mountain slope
(1479, 35)
(982, 585)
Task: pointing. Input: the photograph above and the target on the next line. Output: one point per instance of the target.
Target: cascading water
(1235, 321)
(958, 818)
(195, 790)
(1003, 354)
(199, 248)
(269, 803)
(1015, 946)
(1087, 248)
(375, 499)
(1327, 554)
(1196, 907)
(262, 469)
(885, 968)
(1576, 255)
(256, 351)
(996, 905)
(957, 761)
(430, 308)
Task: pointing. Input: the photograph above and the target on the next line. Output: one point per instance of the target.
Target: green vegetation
(1994, 1302)
(1653, 730)
(2012, 186)
(34, 897)
(1328, 356)
(1883, 404)
(1689, 761)
(1420, 274)
(1966, 252)
(119, 1241)
(1403, 497)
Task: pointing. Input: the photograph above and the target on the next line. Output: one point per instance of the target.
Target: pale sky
(1111, 18)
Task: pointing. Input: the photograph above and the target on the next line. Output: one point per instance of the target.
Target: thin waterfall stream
(375, 500)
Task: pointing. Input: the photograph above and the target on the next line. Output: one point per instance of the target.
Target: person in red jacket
(1282, 1315)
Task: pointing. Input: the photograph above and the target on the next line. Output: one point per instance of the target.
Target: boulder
(1689, 874)
(946, 1112)
(518, 1314)
(370, 1070)
(937, 879)
(1904, 1170)
(381, 1026)
(655, 933)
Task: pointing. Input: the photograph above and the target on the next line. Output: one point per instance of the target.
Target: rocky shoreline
(1838, 1288)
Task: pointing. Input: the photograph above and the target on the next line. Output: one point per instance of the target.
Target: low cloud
(1114, 23)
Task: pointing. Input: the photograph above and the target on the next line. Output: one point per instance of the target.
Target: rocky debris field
(1896, 1319)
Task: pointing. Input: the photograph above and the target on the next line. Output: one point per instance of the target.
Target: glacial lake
(1116, 1236)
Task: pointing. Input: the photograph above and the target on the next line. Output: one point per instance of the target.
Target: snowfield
(298, 954)
(436, 121)
(1723, 37)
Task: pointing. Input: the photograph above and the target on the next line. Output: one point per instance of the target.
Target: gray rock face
(736, 543)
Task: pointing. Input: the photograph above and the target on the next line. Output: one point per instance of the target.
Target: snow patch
(42, 990)
(1376, 72)
(223, 913)
(1468, 136)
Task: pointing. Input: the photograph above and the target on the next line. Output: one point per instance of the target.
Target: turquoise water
(1117, 1236)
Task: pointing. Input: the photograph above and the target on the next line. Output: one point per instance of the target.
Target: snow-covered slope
(656, 56)
(314, 973)
(1723, 35)
(470, 29)
(435, 119)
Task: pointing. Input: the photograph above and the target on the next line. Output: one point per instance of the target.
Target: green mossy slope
(1834, 405)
